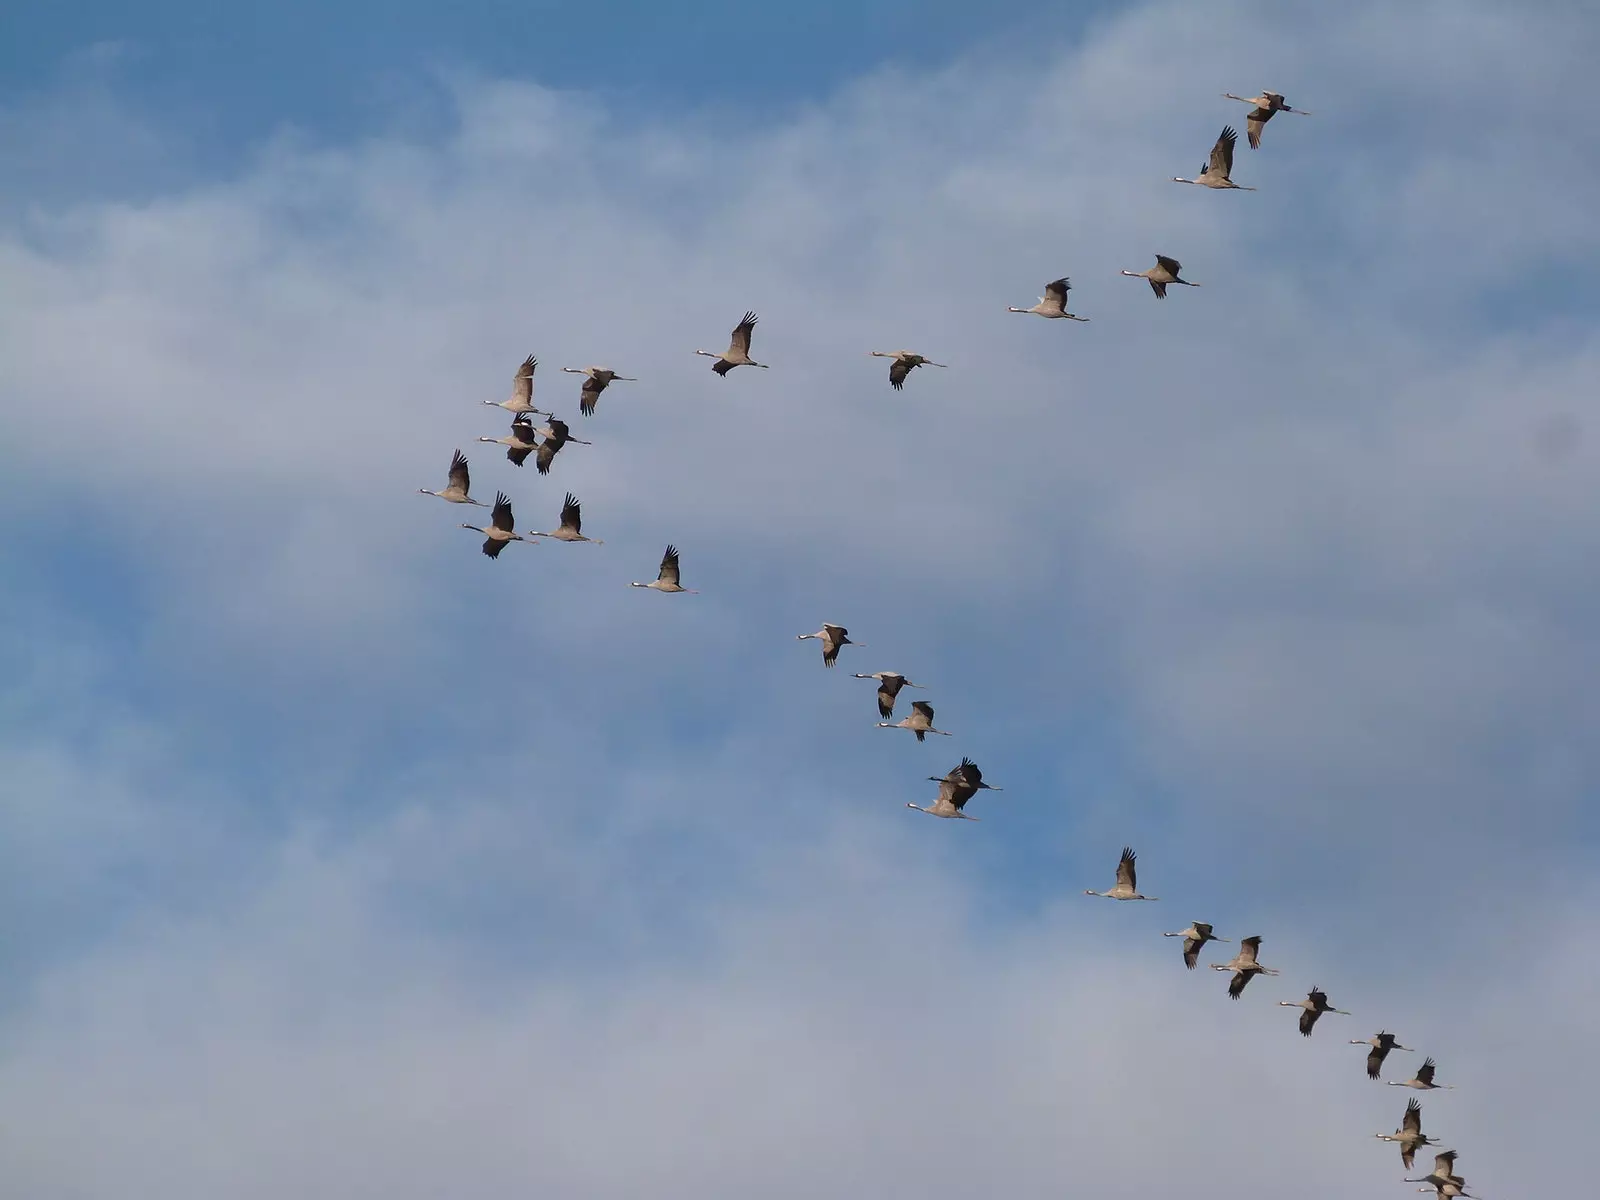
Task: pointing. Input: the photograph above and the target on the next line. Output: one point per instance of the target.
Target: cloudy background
(337, 860)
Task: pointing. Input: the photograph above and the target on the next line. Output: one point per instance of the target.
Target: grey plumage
(1409, 1137)
(1127, 885)
(1053, 304)
(596, 380)
(1218, 171)
(833, 639)
(501, 528)
(956, 787)
(1165, 272)
(1313, 1006)
(668, 578)
(460, 485)
(1381, 1044)
(1194, 937)
(1264, 107)
(738, 352)
(1244, 966)
(889, 685)
(920, 722)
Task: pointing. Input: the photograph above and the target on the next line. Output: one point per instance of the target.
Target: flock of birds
(1246, 965)
(965, 780)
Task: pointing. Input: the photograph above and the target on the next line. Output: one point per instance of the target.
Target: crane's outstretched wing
(1222, 153)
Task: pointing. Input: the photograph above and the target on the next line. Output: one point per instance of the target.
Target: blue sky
(353, 863)
(223, 78)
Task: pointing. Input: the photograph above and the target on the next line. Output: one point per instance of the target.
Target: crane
(833, 638)
(460, 484)
(666, 579)
(1409, 1136)
(1197, 935)
(1315, 1004)
(556, 435)
(1217, 173)
(1266, 105)
(920, 722)
(1423, 1080)
(522, 441)
(1053, 303)
(904, 363)
(1381, 1042)
(960, 784)
(502, 528)
(596, 380)
(521, 398)
(1244, 966)
(571, 529)
(738, 352)
(889, 685)
(1127, 885)
(1159, 276)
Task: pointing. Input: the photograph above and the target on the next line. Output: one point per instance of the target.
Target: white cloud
(1280, 579)
(852, 1026)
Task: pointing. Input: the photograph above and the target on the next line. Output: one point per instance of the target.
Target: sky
(339, 860)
